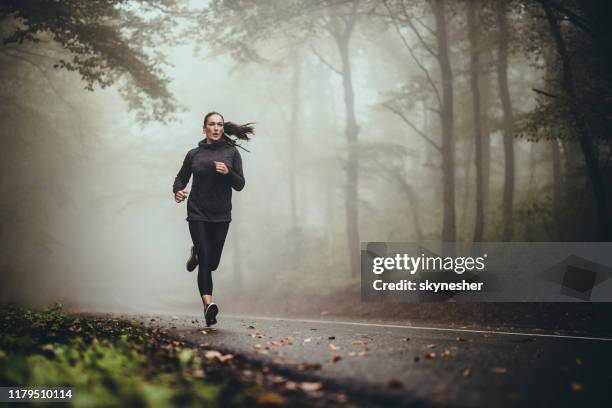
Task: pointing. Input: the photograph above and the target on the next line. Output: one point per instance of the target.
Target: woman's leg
(218, 233)
(201, 241)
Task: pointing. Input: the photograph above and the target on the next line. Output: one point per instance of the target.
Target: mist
(89, 218)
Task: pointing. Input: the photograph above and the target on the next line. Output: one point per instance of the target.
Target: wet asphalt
(418, 365)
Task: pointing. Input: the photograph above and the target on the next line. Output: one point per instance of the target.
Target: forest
(376, 120)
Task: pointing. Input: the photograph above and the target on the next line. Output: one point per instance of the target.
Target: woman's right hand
(180, 196)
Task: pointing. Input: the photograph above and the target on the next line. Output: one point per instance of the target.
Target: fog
(89, 217)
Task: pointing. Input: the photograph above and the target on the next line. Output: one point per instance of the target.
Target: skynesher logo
(413, 264)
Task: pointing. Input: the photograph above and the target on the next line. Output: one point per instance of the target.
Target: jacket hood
(214, 145)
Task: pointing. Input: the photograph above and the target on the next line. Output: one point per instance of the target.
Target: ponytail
(241, 132)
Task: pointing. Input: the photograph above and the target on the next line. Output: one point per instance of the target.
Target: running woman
(216, 166)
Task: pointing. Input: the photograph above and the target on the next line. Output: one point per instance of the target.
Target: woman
(217, 168)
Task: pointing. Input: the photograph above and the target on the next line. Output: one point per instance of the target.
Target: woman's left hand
(220, 167)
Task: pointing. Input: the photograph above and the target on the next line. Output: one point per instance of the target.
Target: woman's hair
(242, 132)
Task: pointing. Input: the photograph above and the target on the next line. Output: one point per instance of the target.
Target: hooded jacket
(211, 192)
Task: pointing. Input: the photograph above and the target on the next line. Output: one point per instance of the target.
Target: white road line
(447, 329)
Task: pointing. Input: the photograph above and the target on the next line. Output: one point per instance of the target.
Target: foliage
(108, 362)
(102, 41)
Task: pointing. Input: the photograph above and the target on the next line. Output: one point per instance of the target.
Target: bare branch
(58, 94)
(330, 66)
(409, 123)
(416, 60)
(428, 28)
(541, 92)
(416, 32)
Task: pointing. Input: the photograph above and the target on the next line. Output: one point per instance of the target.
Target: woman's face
(214, 127)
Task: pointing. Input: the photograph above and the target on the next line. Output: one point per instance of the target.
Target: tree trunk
(485, 99)
(584, 137)
(294, 126)
(342, 36)
(446, 118)
(474, 74)
(504, 93)
(557, 181)
(469, 150)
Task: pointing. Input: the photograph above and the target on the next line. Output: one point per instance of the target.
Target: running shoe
(192, 262)
(210, 314)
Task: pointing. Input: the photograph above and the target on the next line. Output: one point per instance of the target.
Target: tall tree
(474, 84)
(449, 232)
(508, 119)
(341, 28)
(585, 138)
(294, 129)
(400, 15)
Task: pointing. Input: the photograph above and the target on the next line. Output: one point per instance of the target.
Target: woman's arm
(235, 172)
(184, 174)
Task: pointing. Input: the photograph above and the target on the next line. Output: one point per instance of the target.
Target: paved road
(428, 364)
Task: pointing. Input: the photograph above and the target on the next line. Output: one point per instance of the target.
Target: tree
(399, 14)
(504, 93)
(474, 83)
(102, 41)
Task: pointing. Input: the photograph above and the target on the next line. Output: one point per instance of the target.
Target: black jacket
(210, 198)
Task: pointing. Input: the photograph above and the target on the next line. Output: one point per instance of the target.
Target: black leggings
(208, 239)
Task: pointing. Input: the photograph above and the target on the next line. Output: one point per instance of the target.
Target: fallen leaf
(333, 346)
(277, 379)
(199, 373)
(430, 355)
(335, 359)
(271, 398)
(210, 354)
(576, 387)
(290, 385)
(461, 339)
(310, 386)
(445, 353)
(466, 372)
(203, 332)
(357, 343)
(363, 352)
(499, 370)
(309, 366)
(225, 357)
(406, 338)
(258, 346)
(48, 347)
